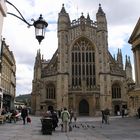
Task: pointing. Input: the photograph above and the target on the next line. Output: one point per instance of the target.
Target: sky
(122, 16)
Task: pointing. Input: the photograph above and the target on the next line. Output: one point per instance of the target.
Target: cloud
(117, 35)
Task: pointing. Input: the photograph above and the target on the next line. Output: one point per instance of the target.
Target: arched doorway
(83, 108)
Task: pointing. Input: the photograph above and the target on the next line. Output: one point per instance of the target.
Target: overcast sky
(122, 16)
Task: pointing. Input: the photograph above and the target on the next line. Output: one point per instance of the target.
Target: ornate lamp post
(40, 24)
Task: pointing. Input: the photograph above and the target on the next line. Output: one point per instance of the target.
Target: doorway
(83, 108)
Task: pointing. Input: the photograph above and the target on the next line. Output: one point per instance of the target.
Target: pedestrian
(106, 113)
(24, 114)
(103, 116)
(139, 112)
(54, 119)
(75, 116)
(65, 116)
(123, 114)
(59, 113)
(71, 115)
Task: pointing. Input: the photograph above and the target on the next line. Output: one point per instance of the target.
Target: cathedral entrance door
(83, 108)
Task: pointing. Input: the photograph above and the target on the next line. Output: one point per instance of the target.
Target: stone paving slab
(86, 128)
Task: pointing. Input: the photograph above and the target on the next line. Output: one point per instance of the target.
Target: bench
(2, 119)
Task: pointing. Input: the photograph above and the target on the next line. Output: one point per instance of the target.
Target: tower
(102, 39)
(37, 66)
(119, 59)
(128, 69)
(35, 100)
(62, 77)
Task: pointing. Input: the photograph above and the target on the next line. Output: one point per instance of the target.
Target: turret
(37, 66)
(101, 19)
(128, 68)
(119, 58)
(63, 20)
(102, 39)
(88, 20)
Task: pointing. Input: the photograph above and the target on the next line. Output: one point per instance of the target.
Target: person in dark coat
(107, 113)
(54, 117)
(24, 114)
(139, 112)
(123, 112)
(103, 116)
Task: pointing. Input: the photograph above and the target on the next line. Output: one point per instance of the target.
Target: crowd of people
(14, 115)
(63, 118)
(64, 115)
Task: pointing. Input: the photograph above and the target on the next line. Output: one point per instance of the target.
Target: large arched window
(116, 91)
(50, 91)
(83, 64)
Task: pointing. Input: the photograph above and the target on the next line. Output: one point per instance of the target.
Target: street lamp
(40, 24)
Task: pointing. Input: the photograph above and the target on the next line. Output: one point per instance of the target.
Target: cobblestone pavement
(86, 128)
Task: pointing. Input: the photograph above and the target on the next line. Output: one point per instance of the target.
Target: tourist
(24, 114)
(139, 112)
(71, 115)
(65, 116)
(103, 116)
(106, 113)
(123, 113)
(75, 116)
(54, 119)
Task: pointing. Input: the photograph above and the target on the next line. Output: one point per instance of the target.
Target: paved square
(86, 128)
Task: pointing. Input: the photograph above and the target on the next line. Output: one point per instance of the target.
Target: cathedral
(82, 75)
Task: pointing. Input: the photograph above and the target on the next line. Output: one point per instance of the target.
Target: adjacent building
(134, 94)
(8, 75)
(82, 74)
(3, 11)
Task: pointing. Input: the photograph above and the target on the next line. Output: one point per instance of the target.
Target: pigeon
(87, 125)
(93, 126)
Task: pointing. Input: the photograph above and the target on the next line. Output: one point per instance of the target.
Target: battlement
(83, 21)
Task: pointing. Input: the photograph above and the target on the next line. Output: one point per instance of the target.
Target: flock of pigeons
(81, 125)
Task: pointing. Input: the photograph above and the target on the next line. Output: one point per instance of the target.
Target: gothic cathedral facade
(82, 74)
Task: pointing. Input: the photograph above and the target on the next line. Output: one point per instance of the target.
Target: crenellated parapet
(86, 21)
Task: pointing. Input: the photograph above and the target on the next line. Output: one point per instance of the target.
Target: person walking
(65, 116)
(54, 118)
(123, 113)
(139, 112)
(103, 116)
(106, 113)
(24, 114)
(75, 116)
(71, 115)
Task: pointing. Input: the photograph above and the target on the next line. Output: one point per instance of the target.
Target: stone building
(134, 93)
(82, 74)
(8, 75)
(3, 12)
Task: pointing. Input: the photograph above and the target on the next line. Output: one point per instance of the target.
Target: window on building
(83, 63)
(50, 91)
(116, 91)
